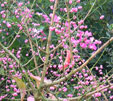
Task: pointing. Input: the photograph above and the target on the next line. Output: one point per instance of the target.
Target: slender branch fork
(48, 45)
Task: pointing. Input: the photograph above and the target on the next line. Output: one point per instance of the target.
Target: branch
(33, 54)
(57, 46)
(85, 96)
(48, 45)
(14, 39)
(12, 55)
(27, 62)
(82, 66)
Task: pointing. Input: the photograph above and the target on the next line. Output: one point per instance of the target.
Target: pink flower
(83, 45)
(64, 89)
(101, 66)
(26, 41)
(111, 87)
(74, 10)
(20, 4)
(13, 98)
(14, 94)
(65, 100)
(87, 41)
(81, 22)
(92, 46)
(88, 33)
(97, 42)
(52, 88)
(15, 89)
(96, 68)
(97, 94)
(51, 28)
(74, 17)
(83, 70)
(10, 66)
(80, 7)
(91, 39)
(51, 0)
(70, 1)
(30, 98)
(57, 31)
(3, 15)
(5, 2)
(85, 75)
(65, 9)
(86, 82)
(70, 95)
(59, 89)
(78, 1)
(8, 25)
(2, 78)
(2, 5)
(101, 17)
(0, 30)
(51, 7)
(82, 27)
(111, 97)
(60, 66)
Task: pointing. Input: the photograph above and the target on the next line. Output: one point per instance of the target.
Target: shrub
(46, 55)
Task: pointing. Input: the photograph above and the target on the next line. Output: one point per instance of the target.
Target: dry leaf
(22, 87)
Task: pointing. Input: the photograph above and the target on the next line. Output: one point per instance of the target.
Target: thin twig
(14, 39)
(86, 15)
(27, 62)
(33, 52)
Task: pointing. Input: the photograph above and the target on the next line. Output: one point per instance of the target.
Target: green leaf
(41, 28)
(1, 71)
(39, 1)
